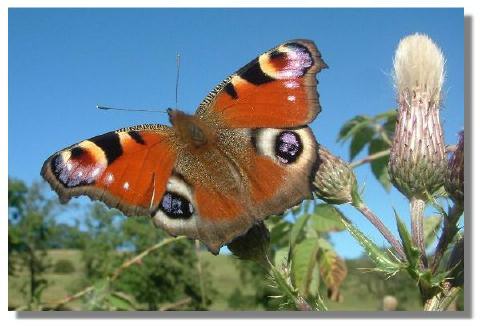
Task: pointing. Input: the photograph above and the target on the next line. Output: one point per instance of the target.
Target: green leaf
(431, 225)
(303, 263)
(380, 258)
(346, 129)
(279, 233)
(390, 114)
(390, 123)
(324, 244)
(412, 253)
(327, 218)
(379, 166)
(297, 229)
(361, 137)
(101, 285)
(121, 301)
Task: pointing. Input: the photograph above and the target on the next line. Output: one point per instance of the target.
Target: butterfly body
(246, 153)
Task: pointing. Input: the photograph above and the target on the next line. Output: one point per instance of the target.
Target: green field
(225, 279)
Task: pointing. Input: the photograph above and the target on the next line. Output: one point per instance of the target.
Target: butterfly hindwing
(126, 169)
(277, 89)
(237, 183)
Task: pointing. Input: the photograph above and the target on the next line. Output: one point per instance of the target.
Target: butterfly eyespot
(288, 147)
(176, 206)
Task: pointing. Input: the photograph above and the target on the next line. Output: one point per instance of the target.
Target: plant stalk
(372, 218)
(417, 208)
(442, 300)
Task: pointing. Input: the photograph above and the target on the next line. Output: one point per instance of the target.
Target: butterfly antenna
(178, 79)
(129, 109)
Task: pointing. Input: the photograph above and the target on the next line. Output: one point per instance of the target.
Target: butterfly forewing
(126, 169)
(276, 89)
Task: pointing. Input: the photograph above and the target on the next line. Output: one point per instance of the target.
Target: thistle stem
(442, 300)
(372, 218)
(448, 233)
(417, 208)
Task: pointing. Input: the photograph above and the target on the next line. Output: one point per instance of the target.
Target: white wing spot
(291, 98)
(109, 178)
(291, 84)
(95, 172)
(126, 185)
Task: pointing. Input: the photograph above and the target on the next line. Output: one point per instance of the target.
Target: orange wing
(277, 89)
(127, 169)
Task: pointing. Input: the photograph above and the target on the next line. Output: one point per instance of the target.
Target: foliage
(63, 266)
(30, 224)
(165, 276)
(374, 133)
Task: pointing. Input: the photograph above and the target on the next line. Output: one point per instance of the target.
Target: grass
(225, 280)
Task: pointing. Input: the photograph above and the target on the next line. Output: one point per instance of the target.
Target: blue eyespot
(176, 206)
(288, 147)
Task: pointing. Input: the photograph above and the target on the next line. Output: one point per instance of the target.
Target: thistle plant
(417, 162)
(407, 149)
(417, 167)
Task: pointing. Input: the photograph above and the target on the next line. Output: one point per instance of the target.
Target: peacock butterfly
(245, 154)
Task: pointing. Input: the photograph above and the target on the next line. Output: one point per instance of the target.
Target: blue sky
(62, 62)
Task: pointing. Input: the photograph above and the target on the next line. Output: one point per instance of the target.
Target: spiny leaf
(379, 166)
(381, 260)
(361, 137)
(283, 285)
(411, 251)
(281, 257)
(327, 218)
(303, 262)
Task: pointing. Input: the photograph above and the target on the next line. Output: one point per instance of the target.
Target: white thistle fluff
(419, 63)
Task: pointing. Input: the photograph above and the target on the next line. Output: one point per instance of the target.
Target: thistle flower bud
(334, 181)
(454, 179)
(417, 159)
(253, 245)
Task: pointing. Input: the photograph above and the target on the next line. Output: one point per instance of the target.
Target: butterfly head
(189, 128)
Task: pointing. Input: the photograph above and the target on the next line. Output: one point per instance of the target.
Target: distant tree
(31, 219)
(16, 200)
(102, 240)
(63, 266)
(163, 278)
(67, 236)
